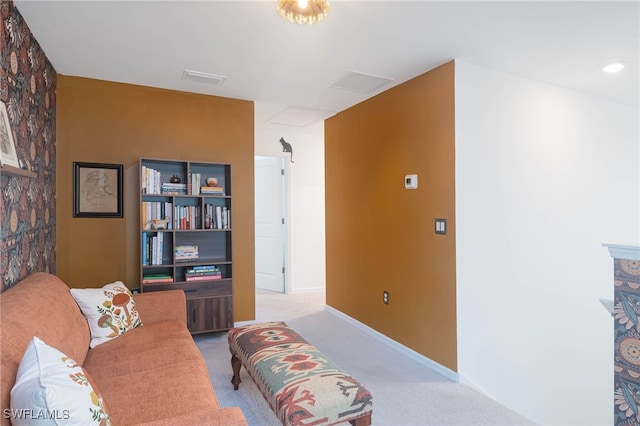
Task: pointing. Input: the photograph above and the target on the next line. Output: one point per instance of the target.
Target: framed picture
(97, 190)
(7, 145)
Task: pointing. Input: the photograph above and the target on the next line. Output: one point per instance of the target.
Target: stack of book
(217, 217)
(157, 278)
(212, 190)
(186, 253)
(150, 210)
(202, 273)
(150, 179)
(153, 248)
(186, 217)
(174, 188)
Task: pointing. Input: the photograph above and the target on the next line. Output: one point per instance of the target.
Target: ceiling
(290, 67)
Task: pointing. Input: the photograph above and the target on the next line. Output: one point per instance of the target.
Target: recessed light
(613, 67)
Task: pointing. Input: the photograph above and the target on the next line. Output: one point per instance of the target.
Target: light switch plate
(411, 181)
(441, 226)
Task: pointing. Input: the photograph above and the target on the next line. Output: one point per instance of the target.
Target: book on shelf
(157, 280)
(152, 248)
(202, 268)
(186, 217)
(195, 183)
(151, 183)
(203, 277)
(150, 180)
(217, 217)
(187, 252)
(156, 275)
(154, 210)
(174, 188)
(212, 190)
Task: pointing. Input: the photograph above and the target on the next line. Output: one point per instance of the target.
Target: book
(156, 280)
(203, 267)
(144, 248)
(186, 252)
(201, 271)
(203, 278)
(212, 189)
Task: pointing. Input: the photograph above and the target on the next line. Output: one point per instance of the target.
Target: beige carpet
(404, 391)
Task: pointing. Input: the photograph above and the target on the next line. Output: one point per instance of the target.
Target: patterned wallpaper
(27, 206)
(627, 342)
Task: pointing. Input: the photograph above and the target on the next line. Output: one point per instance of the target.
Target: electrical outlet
(385, 297)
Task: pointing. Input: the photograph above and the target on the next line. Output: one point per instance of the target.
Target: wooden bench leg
(235, 365)
(362, 421)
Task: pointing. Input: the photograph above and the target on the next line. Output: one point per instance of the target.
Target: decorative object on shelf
(286, 147)
(159, 223)
(303, 11)
(7, 145)
(212, 181)
(174, 179)
(97, 190)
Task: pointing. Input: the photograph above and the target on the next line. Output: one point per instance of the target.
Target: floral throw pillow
(110, 311)
(52, 389)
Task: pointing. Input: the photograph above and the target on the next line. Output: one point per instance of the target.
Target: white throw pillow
(110, 311)
(52, 389)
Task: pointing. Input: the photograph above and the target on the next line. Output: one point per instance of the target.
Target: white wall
(305, 195)
(544, 176)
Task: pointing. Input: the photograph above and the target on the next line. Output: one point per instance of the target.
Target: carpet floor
(404, 391)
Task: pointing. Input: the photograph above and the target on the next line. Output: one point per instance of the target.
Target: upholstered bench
(301, 384)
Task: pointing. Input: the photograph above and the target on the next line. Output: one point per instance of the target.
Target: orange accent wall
(106, 122)
(379, 235)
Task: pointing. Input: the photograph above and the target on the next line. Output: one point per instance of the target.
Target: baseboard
(243, 323)
(307, 290)
(427, 362)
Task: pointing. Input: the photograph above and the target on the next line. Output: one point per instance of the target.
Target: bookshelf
(186, 235)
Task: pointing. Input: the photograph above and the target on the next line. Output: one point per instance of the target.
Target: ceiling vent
(204, 77)
(360, 82)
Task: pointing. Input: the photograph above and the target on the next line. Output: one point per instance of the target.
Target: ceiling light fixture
(303, 11)
(613, 67)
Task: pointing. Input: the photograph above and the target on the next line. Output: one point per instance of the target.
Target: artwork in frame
(97, 190)
(8, 153)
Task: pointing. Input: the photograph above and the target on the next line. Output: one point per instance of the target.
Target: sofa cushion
(158, 367)
(53, 389)
(110, 311)
(152, 346)
(39, 305)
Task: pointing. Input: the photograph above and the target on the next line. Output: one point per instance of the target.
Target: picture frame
(97, 190)
(8, 155)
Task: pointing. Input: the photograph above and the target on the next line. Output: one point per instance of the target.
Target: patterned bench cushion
(301, 384)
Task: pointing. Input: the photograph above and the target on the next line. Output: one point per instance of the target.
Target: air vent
(203, 77)
(360, 82)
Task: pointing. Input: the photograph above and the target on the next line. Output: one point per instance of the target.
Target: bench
(301, 385)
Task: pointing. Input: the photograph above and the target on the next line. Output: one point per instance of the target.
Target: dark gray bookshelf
(186, 236)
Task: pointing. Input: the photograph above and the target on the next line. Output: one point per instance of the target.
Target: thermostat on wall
(411, 181)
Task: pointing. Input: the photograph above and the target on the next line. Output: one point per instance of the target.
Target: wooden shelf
(15, 171)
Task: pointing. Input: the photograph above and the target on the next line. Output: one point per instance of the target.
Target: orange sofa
(151, 375)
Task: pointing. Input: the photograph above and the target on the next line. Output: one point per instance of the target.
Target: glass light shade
(303, 11)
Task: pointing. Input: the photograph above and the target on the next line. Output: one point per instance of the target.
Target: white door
(269, 204)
